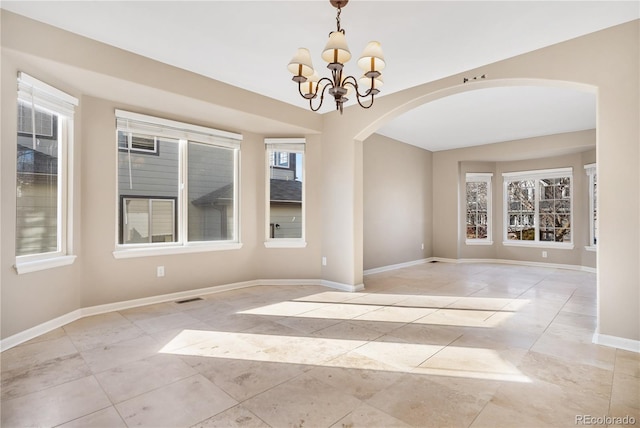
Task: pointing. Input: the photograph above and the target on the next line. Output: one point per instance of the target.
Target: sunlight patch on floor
(438, 360)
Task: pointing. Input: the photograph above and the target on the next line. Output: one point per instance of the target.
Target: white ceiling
(249, 43)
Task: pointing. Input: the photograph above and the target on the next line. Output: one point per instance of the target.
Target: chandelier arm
(321, 95)
(354, 85)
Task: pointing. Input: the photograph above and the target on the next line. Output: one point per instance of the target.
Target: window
(177, 186)
(285, 192)
(538, 208)
(148, 220)
(593, 206)
(478, 208)
(137, 143)
(43, 192)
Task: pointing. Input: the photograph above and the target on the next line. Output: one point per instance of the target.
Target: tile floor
(434, 345)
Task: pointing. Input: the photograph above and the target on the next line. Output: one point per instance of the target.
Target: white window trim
(591, 171)
(184, 133)
(475, 177)
(536, 175)
(291, 145)
(32, 90)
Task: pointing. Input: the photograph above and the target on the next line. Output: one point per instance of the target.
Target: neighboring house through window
(593, 206)
(478, 208)
(538, 207)
(43, 185)
(285, 192)
(177, 184)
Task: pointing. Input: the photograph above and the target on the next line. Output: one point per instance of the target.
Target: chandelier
(336, 54)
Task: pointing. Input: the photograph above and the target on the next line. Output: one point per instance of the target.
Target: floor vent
(195, 299)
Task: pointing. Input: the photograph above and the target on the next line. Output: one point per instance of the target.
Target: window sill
(285, 243)
(538, 244)
(43, 264)
(478, 242)
(592, 248)
(129, 253)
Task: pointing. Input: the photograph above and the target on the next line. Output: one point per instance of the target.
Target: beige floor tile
(183, 403)
(475, 363)
(284, 308)
(401, 356)
(97, 323)
(106, 418)
(355, 380)
(243, 379)
(480, 303)
(149, 311)
(494, 416)
(235, 417)
(422, 402)
(350, 330)
(428, 301)
(459, 317)
(579, 351)
(365, 416)
(35, 353)
(55, 405)
(25, 380)
(302, 402)
(627, 363)
(85, 340)
(625, 396)
(377, 299)
(330, 297)
(112, 356)
(176, 338)
(396, 314)
(550, 403)
(137, 377)
(307, 325)
(425, 334)
(341, 311)
(165, 322)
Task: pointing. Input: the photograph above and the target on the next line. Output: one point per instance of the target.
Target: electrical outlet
(324, 261)
(544, 254)
(160, 271)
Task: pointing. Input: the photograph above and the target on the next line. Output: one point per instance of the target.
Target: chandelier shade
(336, 49)
(336, 53)
(372, 58)
(300, 64)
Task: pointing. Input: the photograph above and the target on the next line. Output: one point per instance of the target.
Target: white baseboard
(396, 266)
(341, 286)
(617, 342)
(498, 261)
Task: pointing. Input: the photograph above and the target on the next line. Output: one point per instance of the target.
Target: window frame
(184, 133)
(592, 172)
(480, 177)
(536, 176)
(61, 105)
(289, 145)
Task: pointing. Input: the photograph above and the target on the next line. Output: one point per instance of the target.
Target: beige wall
(397, 202)
(109, 77)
